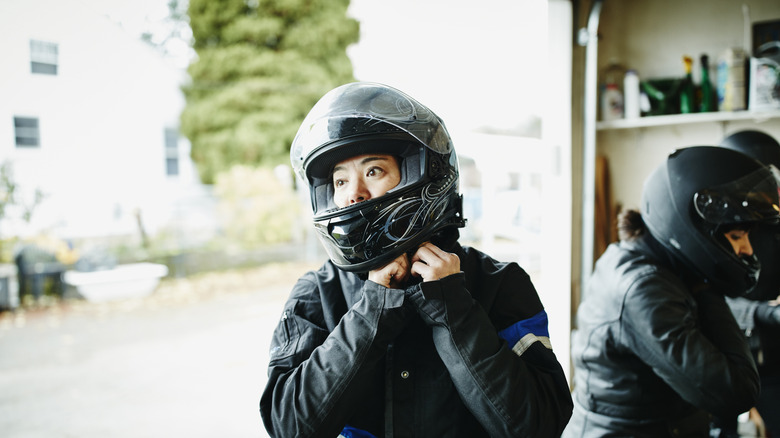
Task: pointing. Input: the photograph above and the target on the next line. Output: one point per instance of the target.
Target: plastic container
(611, 87)
(631, 106)
(732, 91)
(611, 103)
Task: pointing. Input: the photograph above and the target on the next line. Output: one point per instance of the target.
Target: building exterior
(89, 117)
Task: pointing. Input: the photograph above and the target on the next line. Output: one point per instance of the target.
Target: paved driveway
(188, 361)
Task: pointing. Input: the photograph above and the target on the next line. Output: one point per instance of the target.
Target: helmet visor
(752, 198)
(365, 109)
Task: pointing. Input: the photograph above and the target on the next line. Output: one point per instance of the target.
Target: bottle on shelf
(612, 91)
(687, 91)
(730, 79)
(709, 99)
(631, 95)
(612, 103)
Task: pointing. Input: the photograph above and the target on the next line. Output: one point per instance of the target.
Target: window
(43, 57)
(27, 132)
(171, 152)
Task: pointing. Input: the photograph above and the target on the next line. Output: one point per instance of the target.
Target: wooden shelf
(682, 119)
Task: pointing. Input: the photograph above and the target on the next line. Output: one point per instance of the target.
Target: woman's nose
(359, 193)
(747, 248)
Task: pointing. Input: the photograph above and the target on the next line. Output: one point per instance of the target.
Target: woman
(657, 350)
(403, 332)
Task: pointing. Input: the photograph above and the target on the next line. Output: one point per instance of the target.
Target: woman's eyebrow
(370, 159)
(363, 161)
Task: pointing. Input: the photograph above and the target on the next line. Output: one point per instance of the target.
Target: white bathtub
(124, 281)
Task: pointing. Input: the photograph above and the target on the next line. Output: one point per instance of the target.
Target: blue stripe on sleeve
(351, 432)
(536, 325)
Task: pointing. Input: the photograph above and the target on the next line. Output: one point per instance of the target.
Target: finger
(393, 272)
(435, 257)
(424, 254)
(420, 269)
(398, 269)
(435, 250)
(431, 263)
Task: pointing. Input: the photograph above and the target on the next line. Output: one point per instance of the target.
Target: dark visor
(752, 198)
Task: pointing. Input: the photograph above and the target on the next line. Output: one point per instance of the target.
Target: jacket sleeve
(693, 344)
(315, 376)
(520, 392)
(744, 311)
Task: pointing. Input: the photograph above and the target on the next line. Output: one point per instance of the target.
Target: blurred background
(150, 219)
(147, 131)
(150, 224)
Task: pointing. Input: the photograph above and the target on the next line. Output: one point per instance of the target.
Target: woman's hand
(432, 263)
(393, 274)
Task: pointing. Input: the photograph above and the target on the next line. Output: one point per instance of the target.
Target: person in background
(656, 350)
(758, 313)
(403, 332)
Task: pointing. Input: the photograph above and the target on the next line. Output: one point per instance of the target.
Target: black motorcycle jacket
(653, 358)
(761, 328)
(464, 356)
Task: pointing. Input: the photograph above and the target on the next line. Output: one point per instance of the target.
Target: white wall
(634, 153)
(102, 120)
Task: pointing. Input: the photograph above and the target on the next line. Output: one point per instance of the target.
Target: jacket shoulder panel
(503, 289)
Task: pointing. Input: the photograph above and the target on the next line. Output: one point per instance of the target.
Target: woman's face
(364, 177)
(739, 242)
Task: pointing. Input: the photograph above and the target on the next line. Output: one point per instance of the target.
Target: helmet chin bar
(362, 240)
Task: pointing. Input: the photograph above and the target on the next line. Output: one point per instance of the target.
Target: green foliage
(256, 207)
(261, 66)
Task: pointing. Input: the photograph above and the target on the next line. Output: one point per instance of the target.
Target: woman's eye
(374, 171)
(736, 236)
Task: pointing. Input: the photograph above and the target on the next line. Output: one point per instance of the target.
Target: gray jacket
(464, 356)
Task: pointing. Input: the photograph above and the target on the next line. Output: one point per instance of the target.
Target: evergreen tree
(260, 67)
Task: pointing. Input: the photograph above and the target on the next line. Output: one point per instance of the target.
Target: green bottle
(687, 92)
(708, 100)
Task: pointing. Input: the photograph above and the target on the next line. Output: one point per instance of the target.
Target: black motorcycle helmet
(699, 193)
(361, 118)
(755, 144)
(765, 238)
